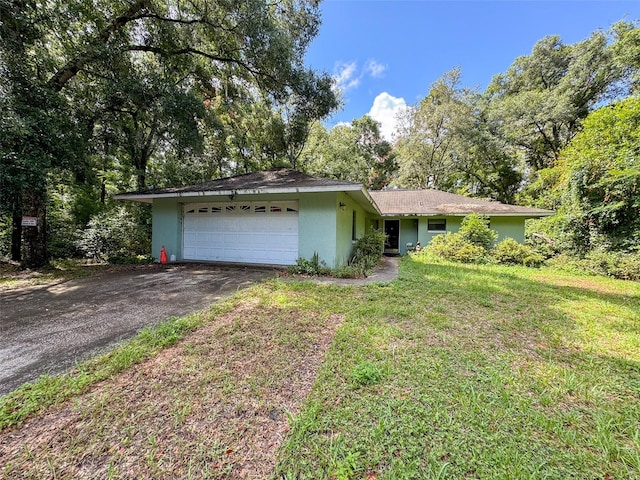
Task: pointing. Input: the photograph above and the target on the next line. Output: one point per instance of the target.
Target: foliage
(111, 92)
(313, 266)
(114, 234)
(472, 243)
(355, 152)
(367, 251)
(624, 266)
(510, 252)
(475, 229)
(452, 246)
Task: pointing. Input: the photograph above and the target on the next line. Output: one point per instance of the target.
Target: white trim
(219, 193)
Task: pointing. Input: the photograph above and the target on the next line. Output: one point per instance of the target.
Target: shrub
(452, 246)
(114, 234)
(622, 265)
(475, 230)
(313, 266)
(510, 252)
(367, 251)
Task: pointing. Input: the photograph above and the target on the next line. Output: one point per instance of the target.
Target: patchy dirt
(49, 328)
(216, 405)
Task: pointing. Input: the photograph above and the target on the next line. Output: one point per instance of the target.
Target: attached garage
(242, 232)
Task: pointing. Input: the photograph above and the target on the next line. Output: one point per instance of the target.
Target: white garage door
(251, 232)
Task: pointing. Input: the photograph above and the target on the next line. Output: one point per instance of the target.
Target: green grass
(477, 372)
(451, 371)
(48, 390)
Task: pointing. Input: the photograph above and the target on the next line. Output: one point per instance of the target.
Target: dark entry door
(392, 230)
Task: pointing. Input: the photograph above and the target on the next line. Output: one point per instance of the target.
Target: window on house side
(437, 225)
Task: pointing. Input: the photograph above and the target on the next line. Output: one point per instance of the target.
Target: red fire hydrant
(163, 255)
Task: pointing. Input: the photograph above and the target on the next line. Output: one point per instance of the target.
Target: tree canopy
(93, 87)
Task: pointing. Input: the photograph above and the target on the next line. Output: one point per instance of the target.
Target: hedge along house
(274, 217)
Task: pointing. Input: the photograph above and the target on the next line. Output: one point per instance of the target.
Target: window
(203, 210)
(437, 225)
(353, 226)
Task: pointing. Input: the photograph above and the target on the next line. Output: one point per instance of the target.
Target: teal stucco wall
(509, 227)
(344, 227)
(166, 227)
(317, 226)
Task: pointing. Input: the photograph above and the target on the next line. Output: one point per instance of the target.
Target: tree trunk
(16, 234)
(35, 254)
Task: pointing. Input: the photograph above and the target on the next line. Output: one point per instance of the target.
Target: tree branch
(75, 65)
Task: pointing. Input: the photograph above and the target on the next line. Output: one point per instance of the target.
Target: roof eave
(149, 197)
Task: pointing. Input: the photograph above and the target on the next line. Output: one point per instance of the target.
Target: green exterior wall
(344, 222)
(317, 226)
(324, 224)
(408, 233)
(166, 227)
(509, 227)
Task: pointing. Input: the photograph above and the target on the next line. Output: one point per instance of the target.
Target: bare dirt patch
(216, 405)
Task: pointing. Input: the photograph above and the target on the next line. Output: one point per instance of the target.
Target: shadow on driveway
(48, 329)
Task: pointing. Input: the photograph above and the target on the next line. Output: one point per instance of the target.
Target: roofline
(514, 214)
(366, 193)
(148, 197)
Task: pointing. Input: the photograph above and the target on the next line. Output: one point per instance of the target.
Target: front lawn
(448, 372)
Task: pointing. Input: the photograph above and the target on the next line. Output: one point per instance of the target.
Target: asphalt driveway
(49, 328)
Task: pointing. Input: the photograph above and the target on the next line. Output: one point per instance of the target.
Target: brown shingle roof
(435, 202)
(265, 180)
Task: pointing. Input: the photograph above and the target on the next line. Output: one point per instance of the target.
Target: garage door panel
(256, 233)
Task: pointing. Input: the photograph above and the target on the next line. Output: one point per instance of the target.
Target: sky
(385, 54)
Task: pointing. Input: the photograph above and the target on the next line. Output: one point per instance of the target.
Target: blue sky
(385, 54)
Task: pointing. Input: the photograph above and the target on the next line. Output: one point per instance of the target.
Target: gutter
(147, 197)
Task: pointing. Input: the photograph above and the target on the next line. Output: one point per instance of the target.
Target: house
(274, 217)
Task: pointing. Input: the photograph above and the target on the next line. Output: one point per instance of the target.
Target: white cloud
(345, 76)
(385, 110)
(375, 69)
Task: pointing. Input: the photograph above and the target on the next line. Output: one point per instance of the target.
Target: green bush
(314, 266)
(622, 265)
(367, 251)
(475, 230)
(452, 246)
(510, 252)
(114, 234)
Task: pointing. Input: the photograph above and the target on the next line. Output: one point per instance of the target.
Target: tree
(70, 67)
(601, 178)
(541, 99)
(355, 152)
(425, 142)
(448, 142)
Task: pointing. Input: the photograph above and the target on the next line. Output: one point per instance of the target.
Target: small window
(353, 226)
(203, 210)
(216, 209)
(191, 210)
(289, 210)
(245, 208)
(260, 209)
(437, 225)
(230, 208)
(276, 209)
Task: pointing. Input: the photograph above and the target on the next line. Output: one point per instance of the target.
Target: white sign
(29, 221)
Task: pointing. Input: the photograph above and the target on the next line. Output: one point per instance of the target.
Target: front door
(392, 231)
